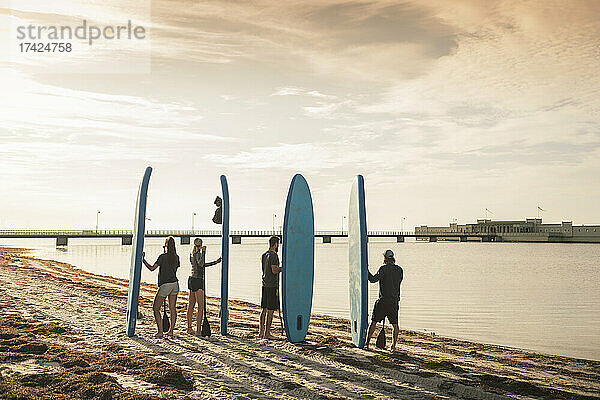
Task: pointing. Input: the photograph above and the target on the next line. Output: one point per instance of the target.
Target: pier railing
(90, 233)
(62, 236)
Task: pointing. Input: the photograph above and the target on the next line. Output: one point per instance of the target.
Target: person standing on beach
(389, 277)
(168, 285)
(269, 301)
(197, 285)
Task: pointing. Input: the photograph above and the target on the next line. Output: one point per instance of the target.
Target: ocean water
(538, 296)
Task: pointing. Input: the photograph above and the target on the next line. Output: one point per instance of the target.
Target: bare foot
(392, 349)
(170, 334)
(190, 330)
(159, 335)
(199, 333)
(271, 337)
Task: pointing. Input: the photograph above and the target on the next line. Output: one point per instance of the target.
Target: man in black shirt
(270, 284)
(389, 277)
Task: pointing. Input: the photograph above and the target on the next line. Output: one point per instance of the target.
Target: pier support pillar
(236, 239)
(399, 239)
(463, 238)
(61, 240)
(486, 239)
(433, 238)
(185, 240)
(126, 240)
(326, 239)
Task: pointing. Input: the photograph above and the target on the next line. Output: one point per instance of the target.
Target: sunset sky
(445, 107)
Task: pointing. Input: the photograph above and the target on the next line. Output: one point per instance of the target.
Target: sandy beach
(62, 337)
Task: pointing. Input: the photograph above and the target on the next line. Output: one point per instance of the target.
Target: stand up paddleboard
(225, 257)
(298, 260)
(135, 272)
(358, 263)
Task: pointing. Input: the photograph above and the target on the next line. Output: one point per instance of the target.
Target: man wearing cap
(389, 277)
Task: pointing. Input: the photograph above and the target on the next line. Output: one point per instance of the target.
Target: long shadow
(203, 370)
(329, 371)
(252, 371)
(295, 372)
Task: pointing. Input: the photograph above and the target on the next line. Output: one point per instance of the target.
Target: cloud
(288, 91)
(370, 40)
(76, 113)
(329, 110)
(319, 158)
(305, 156)
(295, 91)
(522, 77)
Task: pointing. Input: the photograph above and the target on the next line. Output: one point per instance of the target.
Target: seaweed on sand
(77, 374)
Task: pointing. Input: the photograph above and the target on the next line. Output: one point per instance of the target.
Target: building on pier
(528, 230)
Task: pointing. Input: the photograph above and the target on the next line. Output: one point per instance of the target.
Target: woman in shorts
(197, 285)
(168, 285)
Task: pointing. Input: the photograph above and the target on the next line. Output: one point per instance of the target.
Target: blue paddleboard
(298, 260)
(225, 257)
(358, 263)
(135, 272)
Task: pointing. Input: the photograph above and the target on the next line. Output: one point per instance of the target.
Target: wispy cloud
(71, 113)
(295, 91)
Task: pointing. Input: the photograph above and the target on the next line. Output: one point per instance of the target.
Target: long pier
(62, 236)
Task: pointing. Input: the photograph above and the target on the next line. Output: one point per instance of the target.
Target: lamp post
(193, 218)
(343, 218)
(402, 219)
(274, 216)
(97, 219)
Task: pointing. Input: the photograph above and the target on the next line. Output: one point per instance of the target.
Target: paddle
(380, 343)
(205, 332)
(165, 320)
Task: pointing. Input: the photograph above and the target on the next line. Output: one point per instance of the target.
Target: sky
(446, 109)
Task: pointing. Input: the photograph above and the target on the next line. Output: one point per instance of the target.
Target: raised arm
(374, 278)
(149, 266)
(210, 264)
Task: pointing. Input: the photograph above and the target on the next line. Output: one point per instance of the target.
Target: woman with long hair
(168, 285)
(197, 285)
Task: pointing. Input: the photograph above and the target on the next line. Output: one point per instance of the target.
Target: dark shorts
(382, 310)
(269, 298)
(195, 284)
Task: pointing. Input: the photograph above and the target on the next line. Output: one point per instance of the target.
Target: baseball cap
(388, 254)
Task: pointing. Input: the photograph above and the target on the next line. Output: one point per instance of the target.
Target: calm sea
(543, 297)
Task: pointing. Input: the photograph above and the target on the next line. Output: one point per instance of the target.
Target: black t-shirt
(167, 272)
(269, 279)
(389, 277)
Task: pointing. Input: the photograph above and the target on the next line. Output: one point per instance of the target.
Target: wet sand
(62, 337)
